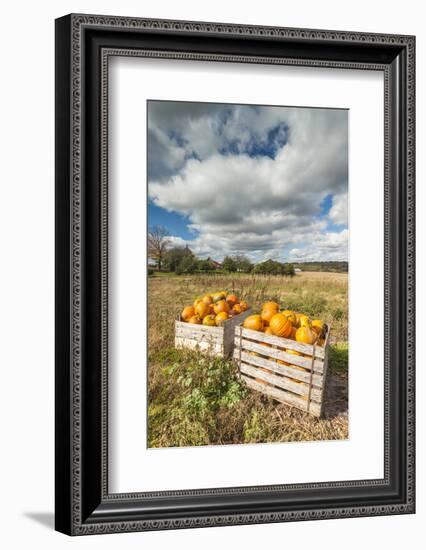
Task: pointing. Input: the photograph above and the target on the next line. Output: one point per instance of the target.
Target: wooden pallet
(218, 341)
(265, 366)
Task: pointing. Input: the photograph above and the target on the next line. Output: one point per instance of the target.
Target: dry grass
(198, 400)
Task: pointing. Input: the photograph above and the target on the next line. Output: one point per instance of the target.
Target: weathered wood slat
(284, 370)
(326, 348)
(198, 329)
(201, 335)
(283, 396)
(305, 362)
(215, 340)
(281, 381)
(214, 349)
(306, 349)
(260, 370)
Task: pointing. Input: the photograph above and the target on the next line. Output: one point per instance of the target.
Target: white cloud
(323, 246)
(256, 205)
(339, 211)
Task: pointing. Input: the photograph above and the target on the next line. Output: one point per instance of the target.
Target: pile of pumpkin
(286, 324)
(213, 309)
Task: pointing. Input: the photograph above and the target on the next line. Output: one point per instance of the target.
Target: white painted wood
(281, 381)
(284, 370)
(261, 372)
(189, 327)
(327, 349)
(214, 340)
(305, 362)
(199, 334)
(212, 348)
(306, 349)
(283, 396)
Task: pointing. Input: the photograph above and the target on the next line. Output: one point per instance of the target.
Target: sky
(266, 182)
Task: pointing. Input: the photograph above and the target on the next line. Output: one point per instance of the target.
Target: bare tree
(158, 241)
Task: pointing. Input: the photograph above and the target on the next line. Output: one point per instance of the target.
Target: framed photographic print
(234, 274)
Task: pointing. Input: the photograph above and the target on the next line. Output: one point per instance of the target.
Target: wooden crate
(218, 341)
(299, 382)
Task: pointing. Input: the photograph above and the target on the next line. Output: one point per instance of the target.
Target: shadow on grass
(336, 392)
(338, 358)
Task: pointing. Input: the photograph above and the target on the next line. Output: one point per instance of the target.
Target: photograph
(247, 273)
(234, 274)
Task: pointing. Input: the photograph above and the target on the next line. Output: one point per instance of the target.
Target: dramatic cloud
(330, 246)
(339, 211)
(252, 180)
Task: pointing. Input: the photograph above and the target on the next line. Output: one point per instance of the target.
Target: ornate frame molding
(72, 518)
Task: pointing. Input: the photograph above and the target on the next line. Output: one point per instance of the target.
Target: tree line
(331, 266)
(181, 260)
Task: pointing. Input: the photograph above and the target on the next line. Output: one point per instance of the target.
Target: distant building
(214, 264)
(297, 270)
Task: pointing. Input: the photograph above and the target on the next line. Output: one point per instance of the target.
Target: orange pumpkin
(268, 313)
(209, 320)
(207, 299)
(221, 306)
(232, 299)
(218, 296)
(237, 309)
(304, 321)
(187, 313)
(280, 325)
(244, 305)
(221, 318)
(293, 333)
(318, 326)
(306, 335)
(268, 330)
(298, 315)
(271, 305)
(290, 315)
(195, 320)
(211, 308)
(202, 309)
(253, 322)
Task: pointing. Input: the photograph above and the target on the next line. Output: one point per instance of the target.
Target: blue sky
(267, 182)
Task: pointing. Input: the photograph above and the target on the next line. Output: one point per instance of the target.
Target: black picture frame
(83, 45)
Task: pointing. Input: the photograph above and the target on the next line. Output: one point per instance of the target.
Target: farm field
(195, 399)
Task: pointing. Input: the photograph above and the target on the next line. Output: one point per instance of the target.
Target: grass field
(199, 400)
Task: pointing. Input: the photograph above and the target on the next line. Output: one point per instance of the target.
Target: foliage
(174, 256)
(193, 390)
(239, 263)
(271, 267)
(188, 265)
(336, 267)
(243, 264)
(205, 265)
(158, 242)
(229, 264)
